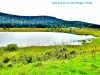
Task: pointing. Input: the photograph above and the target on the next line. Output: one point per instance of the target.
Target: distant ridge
(9, 20)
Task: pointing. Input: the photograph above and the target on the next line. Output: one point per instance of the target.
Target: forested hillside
(11, 21)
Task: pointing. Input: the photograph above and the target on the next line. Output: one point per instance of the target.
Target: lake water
(42, 38)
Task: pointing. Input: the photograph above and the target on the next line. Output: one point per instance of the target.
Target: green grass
(47, 60)
(87, 31)
(23, 30)
(84, 64)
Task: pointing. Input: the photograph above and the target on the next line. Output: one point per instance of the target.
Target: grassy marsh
(53, 60)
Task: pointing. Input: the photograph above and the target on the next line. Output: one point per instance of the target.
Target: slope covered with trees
(8, 20)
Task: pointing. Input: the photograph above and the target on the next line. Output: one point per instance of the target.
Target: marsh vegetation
(53, 60)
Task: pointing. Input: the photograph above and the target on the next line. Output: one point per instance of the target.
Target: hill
(9, 20)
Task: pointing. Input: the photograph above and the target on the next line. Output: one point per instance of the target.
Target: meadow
(52, 60)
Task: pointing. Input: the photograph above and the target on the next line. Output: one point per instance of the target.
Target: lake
(42, 38)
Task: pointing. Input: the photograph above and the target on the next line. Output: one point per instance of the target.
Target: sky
(74, 12)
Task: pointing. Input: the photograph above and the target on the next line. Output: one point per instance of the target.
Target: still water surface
(41, 38)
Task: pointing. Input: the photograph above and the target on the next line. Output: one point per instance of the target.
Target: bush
(37, 64)
(5, 60)
(9, 64)
(11, 47)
